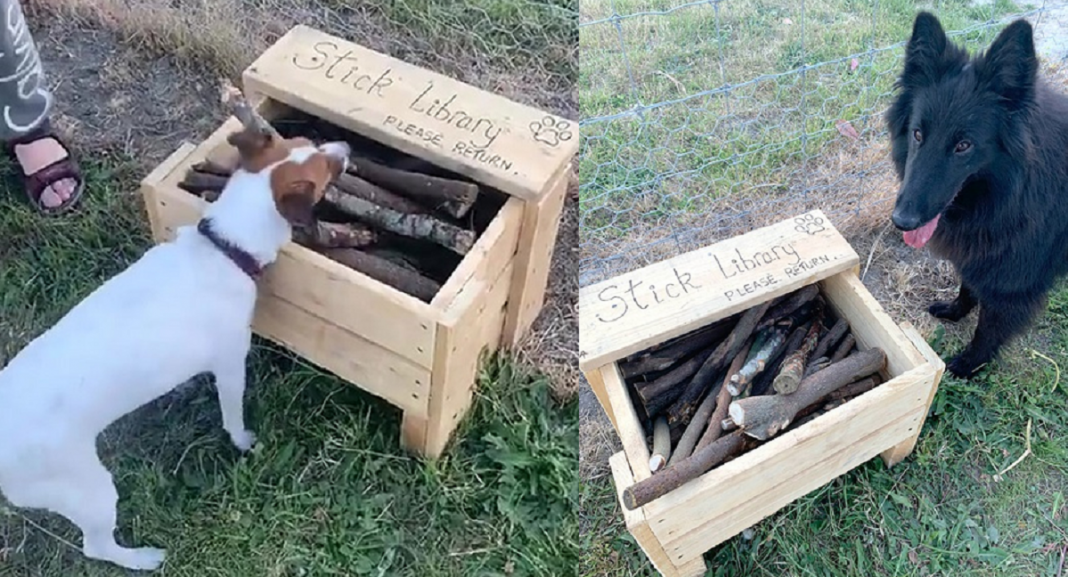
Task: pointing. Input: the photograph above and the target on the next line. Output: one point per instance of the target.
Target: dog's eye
(917, 135)
(962, 146)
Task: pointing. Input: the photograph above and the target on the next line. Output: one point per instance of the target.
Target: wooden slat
(628, 427)
(493, 251)
(898, 452)
(351, 357)
(484, 136)
(597, 384)
(630, 312)
(738, 494)
(541, 222)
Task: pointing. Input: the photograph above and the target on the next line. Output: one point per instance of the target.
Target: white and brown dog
(184, 308)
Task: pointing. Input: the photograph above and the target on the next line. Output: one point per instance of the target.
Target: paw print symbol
(551, 131)
(809, 224)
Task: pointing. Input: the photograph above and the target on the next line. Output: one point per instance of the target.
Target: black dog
(981, 148)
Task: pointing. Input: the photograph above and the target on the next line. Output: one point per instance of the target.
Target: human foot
(52, 179)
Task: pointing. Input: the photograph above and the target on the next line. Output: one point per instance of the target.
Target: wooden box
(420, 356)
(621, 316)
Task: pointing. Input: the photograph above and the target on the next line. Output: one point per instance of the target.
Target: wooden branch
(789, 305)
(420, 226)
(696, 426)
(335, 235)
(675, 476)
(830, 339)
(765, 416)
(713, 430)
(843, 349)
(657, 395)
(793, 368)
(762, 382)
(359, 187)
(386, 272)
(857, 388)
(211, 167)
(816, 366)
(667, 357)
(776, 337)
(683, 408)
(661, 444)
(200, 183)
(239, 106)
(455, 197)
(728, 424)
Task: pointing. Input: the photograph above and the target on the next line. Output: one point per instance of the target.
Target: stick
(763, 417)
(789, 305)
(857, 388)
(386, 272)
(843, 349)
(816, 366)
(713, 430)
(701, 419)
(657, 395)
(667, 357)
(211, 167)
(235, 100)
(419, 226)
(762, 382)
(686, 404)
(793, 368)
(739, 381)
(675, 476)
(830, 339)
(335, 235)
(359, 187)
(661, 444)
(728, 424)
(199, 183)
(453, 196)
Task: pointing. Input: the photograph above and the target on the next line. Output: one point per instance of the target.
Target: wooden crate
(621, 316)
(421, 357)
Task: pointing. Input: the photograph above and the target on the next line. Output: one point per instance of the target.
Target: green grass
(767, 128)
(327, 491)
(940, 512)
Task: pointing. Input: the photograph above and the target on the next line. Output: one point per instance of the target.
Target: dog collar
(244, 261)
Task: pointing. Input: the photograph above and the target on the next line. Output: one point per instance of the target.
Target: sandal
(36, 183)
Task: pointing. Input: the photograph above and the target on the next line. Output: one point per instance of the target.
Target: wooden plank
(486, 137)
(151, 183)
(537, 242)
(474, 326)
(869, 323)
(738, 494)
(897, 453)
(639, 528)
(628, 427)
(597, 384)
(351, 357)
(493, 251)
(630, 312)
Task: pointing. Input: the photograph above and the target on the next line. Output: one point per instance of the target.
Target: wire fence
(701, 120)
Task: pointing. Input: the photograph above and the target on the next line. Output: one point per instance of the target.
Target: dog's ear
(1010, 66)
(297, 203)
(926, 51)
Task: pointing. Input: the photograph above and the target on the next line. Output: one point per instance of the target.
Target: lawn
(327, 491)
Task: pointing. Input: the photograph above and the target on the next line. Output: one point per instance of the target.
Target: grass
(743, 94)
(328, 491)
(940, 512)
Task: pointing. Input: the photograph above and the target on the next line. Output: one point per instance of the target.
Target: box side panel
(739, 493)
(484, 136)
(627, 424)
(351, 357)
(898, 452)
(537, 243)
(460, 344)
(597, 384)
(632, 311)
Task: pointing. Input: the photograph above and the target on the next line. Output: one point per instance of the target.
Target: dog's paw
(243, 440)
(963, 366)
(947, 311)
(144, 558)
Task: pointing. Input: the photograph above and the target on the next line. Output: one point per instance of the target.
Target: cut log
(765, 416)
(793, 367)
(675, 476)
(359, 187)
(657, 395)
(844, 349)
(420, 226)
(455, 197)
(713, 430)
(335, 235)
(789, 305)
(728, 424)
(661, 444)
(670, 356)
(386, 272)
(762, 383)
(830, 339)
(686, 404)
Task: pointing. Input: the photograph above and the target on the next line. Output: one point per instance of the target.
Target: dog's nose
(905, 222)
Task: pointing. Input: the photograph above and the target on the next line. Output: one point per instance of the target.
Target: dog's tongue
(919, 237)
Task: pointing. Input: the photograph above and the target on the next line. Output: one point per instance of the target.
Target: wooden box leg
(413, 432)
(897, 453)
(533, 259)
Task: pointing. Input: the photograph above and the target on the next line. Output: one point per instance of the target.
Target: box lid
(628, 313)
(484, 136)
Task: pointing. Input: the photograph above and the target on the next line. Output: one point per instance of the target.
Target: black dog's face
(949, 123)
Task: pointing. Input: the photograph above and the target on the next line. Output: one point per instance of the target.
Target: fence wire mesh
(701, 120)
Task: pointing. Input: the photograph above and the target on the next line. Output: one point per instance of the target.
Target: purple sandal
(36, 183)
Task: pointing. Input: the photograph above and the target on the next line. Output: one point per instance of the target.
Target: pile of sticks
(721, 390)
(365, 209)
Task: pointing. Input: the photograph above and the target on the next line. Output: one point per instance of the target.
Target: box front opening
(419, 240)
